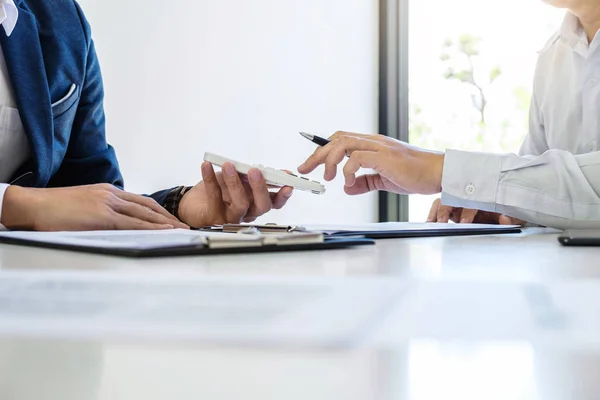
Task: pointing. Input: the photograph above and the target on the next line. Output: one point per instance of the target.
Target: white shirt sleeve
(547, 187)
(556, 189)
(3, 188)
(535, 142)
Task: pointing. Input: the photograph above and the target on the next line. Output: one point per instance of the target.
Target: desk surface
(419, 369)
(534, 255)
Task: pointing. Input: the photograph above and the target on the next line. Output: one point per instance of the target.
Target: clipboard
(382, 230)
(198, 244)
(407, 234)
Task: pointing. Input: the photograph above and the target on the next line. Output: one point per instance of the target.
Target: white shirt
(555, 180)
(14, 147)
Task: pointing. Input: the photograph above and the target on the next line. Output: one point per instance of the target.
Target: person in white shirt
(555, 179)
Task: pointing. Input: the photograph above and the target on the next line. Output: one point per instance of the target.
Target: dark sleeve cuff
(170, 198)
(173, 198)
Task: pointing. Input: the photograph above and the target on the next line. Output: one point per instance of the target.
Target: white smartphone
(273, 176)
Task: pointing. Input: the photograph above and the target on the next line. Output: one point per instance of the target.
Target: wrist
(438, 171)
(174, 200)
(181, 211)
(431, 165)
(18, 208)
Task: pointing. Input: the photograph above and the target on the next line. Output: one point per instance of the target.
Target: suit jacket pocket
(62, 105)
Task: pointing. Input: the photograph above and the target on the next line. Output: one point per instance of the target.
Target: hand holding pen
(398, 167)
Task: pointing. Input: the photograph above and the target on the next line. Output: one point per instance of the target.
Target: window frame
(393, 92)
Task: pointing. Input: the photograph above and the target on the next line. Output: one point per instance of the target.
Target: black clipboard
(329, 243)
(403, 234)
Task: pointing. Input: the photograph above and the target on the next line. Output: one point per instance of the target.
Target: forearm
(18, 208)
(556, 189)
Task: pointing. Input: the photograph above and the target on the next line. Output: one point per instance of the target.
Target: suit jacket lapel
(25, 63)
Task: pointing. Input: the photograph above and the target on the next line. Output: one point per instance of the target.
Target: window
(471, 66)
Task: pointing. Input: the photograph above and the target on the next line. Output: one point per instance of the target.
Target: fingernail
(254, 176)
(206, 168)
(302, 166)
(463, 221)
(229, 169)
(289, 193)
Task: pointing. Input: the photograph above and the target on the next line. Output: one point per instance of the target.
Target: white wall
(239, 78)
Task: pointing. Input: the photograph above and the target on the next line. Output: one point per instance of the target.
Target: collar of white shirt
(9, 14)
(572, 33)
(571, 30)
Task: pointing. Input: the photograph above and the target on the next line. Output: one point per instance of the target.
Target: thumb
(506, 220)
(364, 184)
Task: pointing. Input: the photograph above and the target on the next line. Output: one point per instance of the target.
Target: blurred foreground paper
(306, 311)
(554, 313)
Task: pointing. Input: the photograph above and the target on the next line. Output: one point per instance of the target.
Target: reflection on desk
(419, 370)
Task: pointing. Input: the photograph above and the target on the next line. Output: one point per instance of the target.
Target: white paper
(554, 313)
(403, 226)
(127, 239)
(322, 312)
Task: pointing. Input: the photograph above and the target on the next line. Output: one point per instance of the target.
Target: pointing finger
(343, 145)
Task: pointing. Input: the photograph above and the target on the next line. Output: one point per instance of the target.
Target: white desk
(418, 369)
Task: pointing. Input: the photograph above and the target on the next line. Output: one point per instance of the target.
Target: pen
(318, 140)
(315, 139)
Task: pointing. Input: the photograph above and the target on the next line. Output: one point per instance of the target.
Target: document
(123, 239)
(403, 226)
(412, 229)
(305, 312)
(558, 314)
(239, 311)
(143, 240)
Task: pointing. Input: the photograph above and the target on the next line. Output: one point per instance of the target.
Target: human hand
(400, 167)
(83, 208)
(442, 213)
(226, 198)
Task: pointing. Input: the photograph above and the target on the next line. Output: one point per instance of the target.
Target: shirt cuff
(174, 198)
(3, 187)
(470, 180)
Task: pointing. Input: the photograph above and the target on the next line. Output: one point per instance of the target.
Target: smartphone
(577, 237)
(274, 177)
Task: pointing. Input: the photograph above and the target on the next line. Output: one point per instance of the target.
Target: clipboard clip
(256, 228)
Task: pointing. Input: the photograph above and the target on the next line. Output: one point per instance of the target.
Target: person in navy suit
(57, 172)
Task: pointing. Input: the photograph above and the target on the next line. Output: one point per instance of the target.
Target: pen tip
(306, 135)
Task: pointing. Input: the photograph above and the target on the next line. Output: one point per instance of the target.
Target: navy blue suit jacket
(58, 87)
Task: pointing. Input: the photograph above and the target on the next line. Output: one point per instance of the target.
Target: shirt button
(593, 82)
(470, 189)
